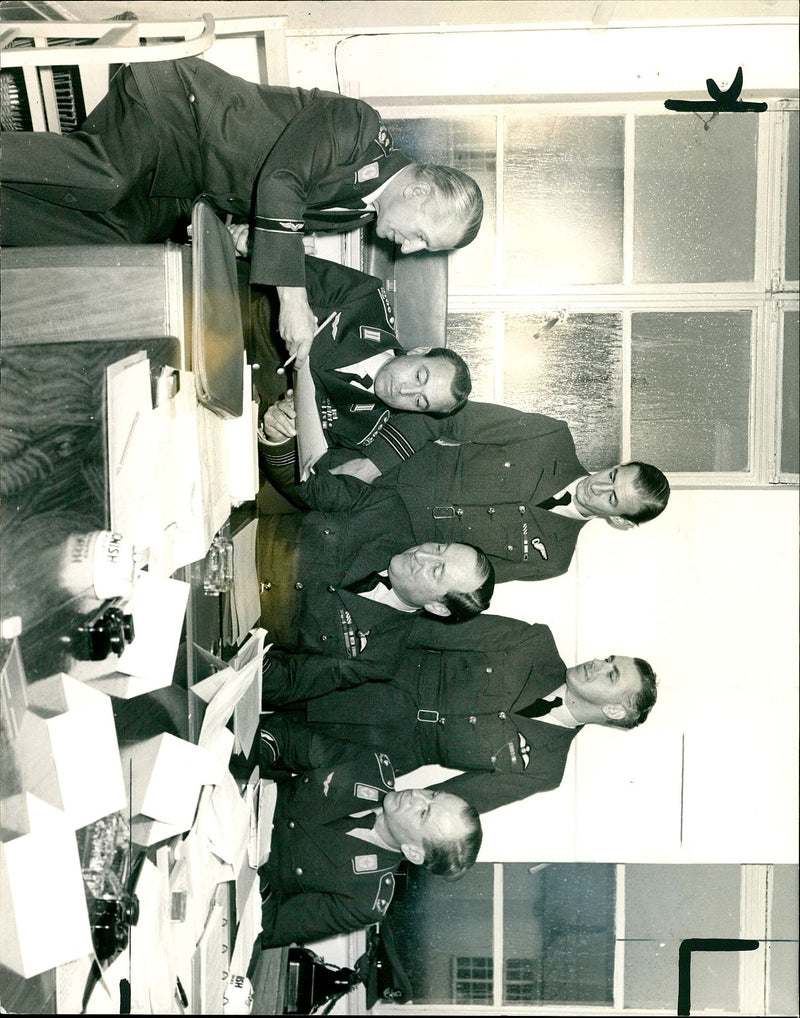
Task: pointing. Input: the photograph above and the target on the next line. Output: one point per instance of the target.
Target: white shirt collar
(368, 199)
(369, 366)
(387, 596)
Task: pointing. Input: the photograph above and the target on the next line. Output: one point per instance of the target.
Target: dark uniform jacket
(323, 880)
(303, 563)
(486, 490)
(453, 701)
(280, 157)
(363, 326)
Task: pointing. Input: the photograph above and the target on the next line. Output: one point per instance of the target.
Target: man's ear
(620, 523)
(615, 711)
(437, 608)
(414, 853)
(418, 189)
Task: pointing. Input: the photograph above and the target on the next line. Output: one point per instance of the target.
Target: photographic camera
(106, 631)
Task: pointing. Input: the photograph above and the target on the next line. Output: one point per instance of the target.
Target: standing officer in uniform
(361, 372)
(342, 585)
(492, 698)
(340, 832)
(284, 160)
(511, 482)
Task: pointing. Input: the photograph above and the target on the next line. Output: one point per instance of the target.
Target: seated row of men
(373, 594)
(441, 500)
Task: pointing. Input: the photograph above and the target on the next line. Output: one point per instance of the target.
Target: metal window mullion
(627, 199)
(619, 931)
(498, 905)
(627, 395)
(499, 275)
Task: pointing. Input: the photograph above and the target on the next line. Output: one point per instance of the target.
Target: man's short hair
(452, 859)
(463, 606)
(459, 193)
(653, 488)
(639, 705)
(461, 386)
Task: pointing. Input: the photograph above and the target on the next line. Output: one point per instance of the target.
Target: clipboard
(217, 334)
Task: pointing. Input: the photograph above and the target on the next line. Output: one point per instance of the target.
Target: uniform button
(441, 721)
(306, 779)
(506, 464)
(323, 638)
(331, 589)
(290, 825)
(493, 759)
(459, 512)
(298, 585)
(299, 871)
(509, 547)
(266, 586)
(256, 367)
(502, 715)
(326, 530)
(473, 720)
(192, 98)
(491, 510)
(522, 508)
(489, 669)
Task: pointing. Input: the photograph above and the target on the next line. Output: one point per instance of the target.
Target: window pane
(472, 336)
(790, 424)
(470, 145)
(562, 205)
(791, 257)
(695, 198)
(690, 390)
(667, 904)
(559, 935)
(443, 934)
(572, 371)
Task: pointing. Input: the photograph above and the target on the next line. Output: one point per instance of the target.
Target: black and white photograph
(399, 557)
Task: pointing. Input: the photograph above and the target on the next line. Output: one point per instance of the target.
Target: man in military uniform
(340, 832)
(361, 372)
(511, 482)
(285, 160)
(344, 583)
(492, 698)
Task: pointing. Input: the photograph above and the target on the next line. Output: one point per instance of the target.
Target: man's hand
(361, 467)
(279, 419)
(296, 323)
(241, 238)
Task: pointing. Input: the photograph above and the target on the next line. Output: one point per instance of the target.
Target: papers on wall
(233, 690)
(169, 472)
(132, 436)
(158, 606)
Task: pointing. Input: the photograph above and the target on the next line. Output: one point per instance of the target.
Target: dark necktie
(552, 502)
(368, 583)
(540, 707)
(350, 823)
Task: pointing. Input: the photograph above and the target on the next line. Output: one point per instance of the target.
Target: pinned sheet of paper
(158, 607)
(239, 681)
(131, 427)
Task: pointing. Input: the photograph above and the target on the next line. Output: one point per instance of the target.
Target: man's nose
(410, 388)
(602, 485)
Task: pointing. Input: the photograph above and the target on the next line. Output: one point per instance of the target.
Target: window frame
(764, 296)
